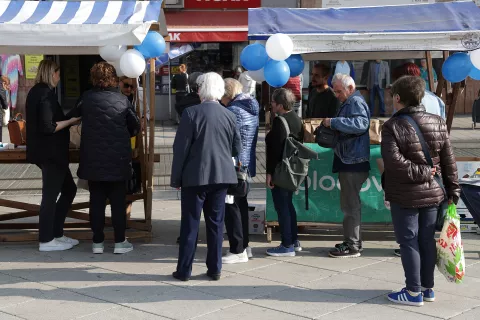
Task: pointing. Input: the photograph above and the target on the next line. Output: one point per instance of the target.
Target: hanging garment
(11, 66)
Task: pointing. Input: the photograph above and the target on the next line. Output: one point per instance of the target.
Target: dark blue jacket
(246, 111)
(205, 143)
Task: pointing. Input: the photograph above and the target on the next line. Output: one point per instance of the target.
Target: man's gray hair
(285, 97)
(344, 79)
(211, 87)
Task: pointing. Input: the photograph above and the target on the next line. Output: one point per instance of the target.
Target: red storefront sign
(222, 4)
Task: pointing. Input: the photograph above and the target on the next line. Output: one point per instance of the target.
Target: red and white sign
(222, 4)
(231, 36)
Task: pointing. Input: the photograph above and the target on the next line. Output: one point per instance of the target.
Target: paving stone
(367, 311)
(304, 302)
(122, 313)
(182, 303)
(473, 314)
(244, 311)
(58, 305)
(6, 316)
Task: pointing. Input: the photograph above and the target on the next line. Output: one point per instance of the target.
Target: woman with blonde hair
(48, 140)
(246, 110)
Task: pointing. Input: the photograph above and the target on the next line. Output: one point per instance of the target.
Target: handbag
(17, 130)
(326, 137)
(242, 188)
(443, 207)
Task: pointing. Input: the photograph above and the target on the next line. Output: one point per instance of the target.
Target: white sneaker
(249, 252)
(235, 258)
(123, 247)
(73, 242)
(54, 245)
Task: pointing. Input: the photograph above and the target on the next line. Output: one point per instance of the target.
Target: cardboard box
(256, 219)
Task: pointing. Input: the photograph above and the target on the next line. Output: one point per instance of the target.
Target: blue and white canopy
(438, 26)
(63, 27)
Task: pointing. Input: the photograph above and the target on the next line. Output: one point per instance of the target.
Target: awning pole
(169, 93)
(431, 84)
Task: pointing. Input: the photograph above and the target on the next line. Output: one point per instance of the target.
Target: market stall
(84, 28)
(399, 32)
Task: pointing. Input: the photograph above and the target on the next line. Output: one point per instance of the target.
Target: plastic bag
(450, 255)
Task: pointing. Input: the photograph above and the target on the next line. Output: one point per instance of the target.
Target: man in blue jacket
(351, 160)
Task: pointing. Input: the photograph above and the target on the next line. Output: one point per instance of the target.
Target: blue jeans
(287, 216)
(376, 90)
(415, 233)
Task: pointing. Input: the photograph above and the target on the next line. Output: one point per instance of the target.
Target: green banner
(324, 192)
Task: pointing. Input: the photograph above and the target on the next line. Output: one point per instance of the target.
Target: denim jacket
(353, 118)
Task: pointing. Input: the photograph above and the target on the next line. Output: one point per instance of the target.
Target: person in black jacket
(203, 168)
(48, 140)
(191, 99)
(282, 105)
(108, 123)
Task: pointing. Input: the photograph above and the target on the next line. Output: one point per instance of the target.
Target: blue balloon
(277, 73)
(152, 46)
(296, 64)
(254, 57)
(475, 74)
(457, 67)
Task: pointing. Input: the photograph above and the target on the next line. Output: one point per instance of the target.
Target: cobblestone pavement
(77, 284)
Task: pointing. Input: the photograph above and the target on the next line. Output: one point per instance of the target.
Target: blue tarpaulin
(371, 26)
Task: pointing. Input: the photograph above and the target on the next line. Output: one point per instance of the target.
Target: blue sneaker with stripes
(428, 295)
(404, 297)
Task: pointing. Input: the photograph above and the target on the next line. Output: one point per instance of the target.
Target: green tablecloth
(324, 193)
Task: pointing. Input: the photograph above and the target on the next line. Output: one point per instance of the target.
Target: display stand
(145, 141)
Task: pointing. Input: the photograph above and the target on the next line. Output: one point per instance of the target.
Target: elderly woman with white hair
(206, 141)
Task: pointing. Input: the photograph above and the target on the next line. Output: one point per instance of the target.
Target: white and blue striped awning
(74, 26)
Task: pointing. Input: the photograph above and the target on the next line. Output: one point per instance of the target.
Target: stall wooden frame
(144, 152)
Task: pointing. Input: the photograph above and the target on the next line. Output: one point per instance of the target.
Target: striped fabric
(79, 12)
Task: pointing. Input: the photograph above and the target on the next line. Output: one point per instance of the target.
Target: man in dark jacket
(108, 123)
(202, 167)
(351, 161)
(191, 99)
(322, 102)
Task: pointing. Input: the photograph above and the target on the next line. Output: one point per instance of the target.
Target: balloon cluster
(461, 65)
(131, 63)
(272, 62)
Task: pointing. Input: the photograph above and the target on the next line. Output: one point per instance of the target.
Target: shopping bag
(450, 255)
(309, 127)
(375, 131)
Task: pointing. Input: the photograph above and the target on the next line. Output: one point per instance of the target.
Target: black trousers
(212, 200)
(56, 179)
(236, 222)
(116, 192)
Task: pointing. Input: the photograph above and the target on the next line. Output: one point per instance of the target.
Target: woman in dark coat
(108, 123)
(48, 140)
(411, 187)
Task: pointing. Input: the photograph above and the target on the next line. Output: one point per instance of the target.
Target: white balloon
(258, 75)
(132, 63)
(279, 47)
(112, 53)
(475, 58)
(116, 64)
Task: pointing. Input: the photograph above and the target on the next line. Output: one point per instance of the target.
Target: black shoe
(214, 276)
(177, 276)
(397, 252)
(344, 251)
(178, 240)
(337, 246)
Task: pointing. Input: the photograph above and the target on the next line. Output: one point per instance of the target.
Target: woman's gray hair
(284, 97)
(345, 80)
(211, 87)
(232, 88)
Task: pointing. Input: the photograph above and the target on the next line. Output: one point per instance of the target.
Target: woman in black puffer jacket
(108, 123)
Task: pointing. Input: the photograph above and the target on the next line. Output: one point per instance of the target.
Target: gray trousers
(350, 186)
